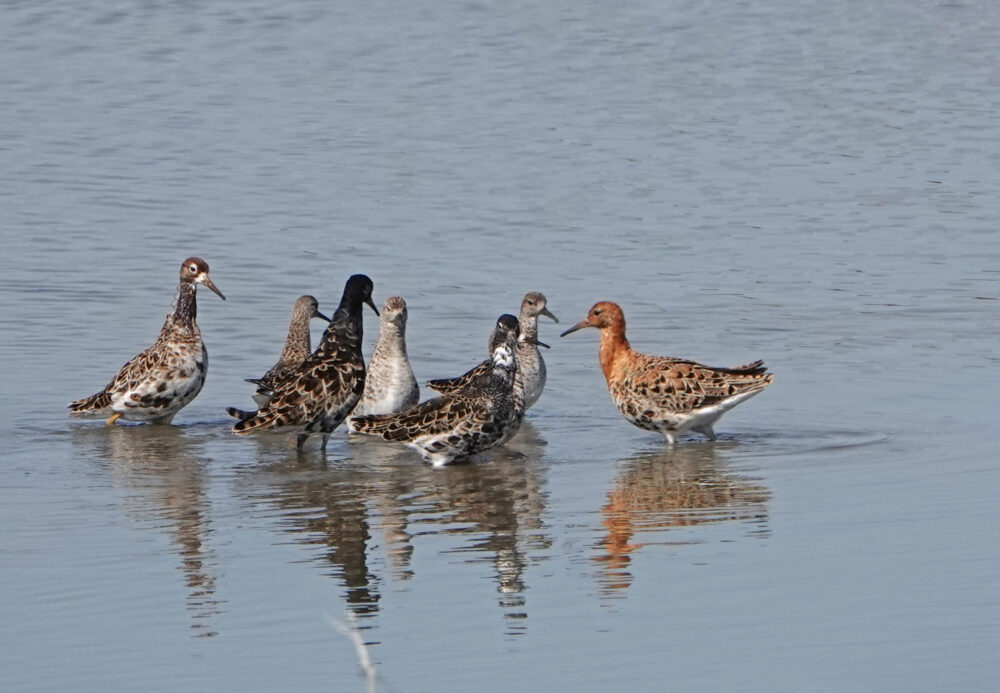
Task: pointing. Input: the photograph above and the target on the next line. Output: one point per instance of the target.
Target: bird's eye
(597, 311)
(192, 268)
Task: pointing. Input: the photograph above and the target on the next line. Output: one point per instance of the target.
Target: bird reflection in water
(325, 504)
(501, 505)
(668, 489)
(163, 472)
(499, 501)
(368, 512)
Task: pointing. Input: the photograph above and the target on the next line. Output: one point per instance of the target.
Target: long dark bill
(578, 326)
(208, 282)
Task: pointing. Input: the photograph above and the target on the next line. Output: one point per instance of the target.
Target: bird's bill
(547, 313)
(319, 315)
(533, 341)
(212, 287)
(370, 302)
(578, 326)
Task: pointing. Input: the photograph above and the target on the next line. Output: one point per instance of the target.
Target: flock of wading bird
(309, 392)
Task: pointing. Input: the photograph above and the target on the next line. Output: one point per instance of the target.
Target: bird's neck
(183, 311)
(298, 343)
(614, 346)
(528, 326)
(391, 341)
(346, 329)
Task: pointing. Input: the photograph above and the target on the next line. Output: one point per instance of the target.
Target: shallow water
(808, 183)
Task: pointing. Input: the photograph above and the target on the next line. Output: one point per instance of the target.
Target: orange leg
(114, 417)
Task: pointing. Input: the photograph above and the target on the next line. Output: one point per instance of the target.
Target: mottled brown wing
(318, 387)
(278, 373)
(448, 385)
(681, 386)
(435, 416)
(128, 377)
(136, 369)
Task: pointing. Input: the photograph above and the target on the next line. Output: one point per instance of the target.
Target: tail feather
(240, 414)
(755, 368)
(450, 385)
(95, 403)
(760, 381)
(375, 424)
(734, 384)
(445, 385)
(749, 381)
(257, 420)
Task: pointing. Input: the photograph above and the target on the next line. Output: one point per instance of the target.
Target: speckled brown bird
(318, 395)
(667, 395)
(531, 372)
(465, 422)
(157, 383)
(507, 327)
(298, 346)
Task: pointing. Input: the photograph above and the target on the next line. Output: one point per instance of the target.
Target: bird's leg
(114, 417)
(300, 442)
(707, 432)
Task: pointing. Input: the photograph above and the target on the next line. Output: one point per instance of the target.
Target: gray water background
(811, 183)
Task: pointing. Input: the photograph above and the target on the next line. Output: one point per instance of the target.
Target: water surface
(808, 183)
